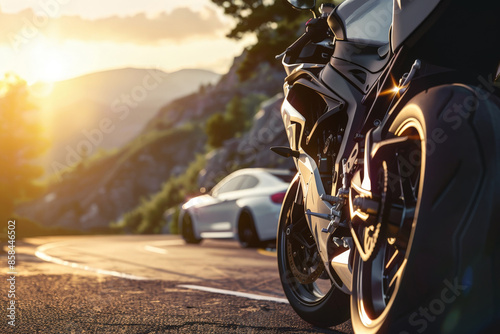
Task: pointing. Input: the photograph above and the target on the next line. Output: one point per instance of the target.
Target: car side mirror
(205, 191)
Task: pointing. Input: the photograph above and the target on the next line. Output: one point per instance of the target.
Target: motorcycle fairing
(311, 183)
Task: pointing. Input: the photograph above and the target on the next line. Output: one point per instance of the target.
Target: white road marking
(234, 293)
(40, 253)
(157, 250)
(217, 235)
(167, 243)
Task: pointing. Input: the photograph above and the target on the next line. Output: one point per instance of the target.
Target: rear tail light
(278, 197)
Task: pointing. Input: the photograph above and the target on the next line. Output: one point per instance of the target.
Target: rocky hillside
(98, 192)
(201, 105)
(252, 149)
(106, 110)
(102, 189)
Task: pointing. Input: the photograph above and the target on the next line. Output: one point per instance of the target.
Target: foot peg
(330, 199)
(366, 205)
(286, 152)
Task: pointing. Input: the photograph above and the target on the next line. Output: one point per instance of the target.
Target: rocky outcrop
(252, 149)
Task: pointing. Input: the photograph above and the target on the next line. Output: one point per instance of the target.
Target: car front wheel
(188, 230)
(247, 233)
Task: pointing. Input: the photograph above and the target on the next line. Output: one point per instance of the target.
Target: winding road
(148, 284)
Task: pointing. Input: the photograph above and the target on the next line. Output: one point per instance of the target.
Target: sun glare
(52, 69)
(47, 62)
(395, 89)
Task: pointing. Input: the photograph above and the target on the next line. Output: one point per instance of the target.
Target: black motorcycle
(393, 122)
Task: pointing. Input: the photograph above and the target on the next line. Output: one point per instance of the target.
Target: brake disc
(303, 274)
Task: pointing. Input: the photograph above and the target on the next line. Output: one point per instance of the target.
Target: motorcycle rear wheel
(445, 278)
(305, 282)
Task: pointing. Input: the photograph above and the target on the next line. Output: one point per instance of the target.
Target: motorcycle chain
(374, 235)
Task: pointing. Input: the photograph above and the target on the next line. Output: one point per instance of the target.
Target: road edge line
(40, 253)
(234, 293)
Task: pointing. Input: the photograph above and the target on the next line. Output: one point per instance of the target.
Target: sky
(52, 40)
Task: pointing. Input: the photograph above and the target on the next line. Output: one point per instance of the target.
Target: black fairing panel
(408, 15)
(361, 64)
(457, 34)
(355, 111)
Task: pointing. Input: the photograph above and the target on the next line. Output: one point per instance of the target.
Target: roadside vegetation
(148, 216)
(22, 141)
(236, 119)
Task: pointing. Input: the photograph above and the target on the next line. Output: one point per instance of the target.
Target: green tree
(275, 25)
(252, 104)
(218, 130)
(236, 115)
(21, 142)
(236, 119)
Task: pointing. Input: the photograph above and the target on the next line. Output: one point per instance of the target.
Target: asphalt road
(146, 284)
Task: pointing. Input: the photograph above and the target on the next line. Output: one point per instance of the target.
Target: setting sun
(48, 62)
(59, 42)
(51, 70)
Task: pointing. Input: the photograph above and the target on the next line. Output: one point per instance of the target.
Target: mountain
(105, 110)
(102, 189)
(266, 81)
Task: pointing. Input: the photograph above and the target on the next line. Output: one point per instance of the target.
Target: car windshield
(240, 182)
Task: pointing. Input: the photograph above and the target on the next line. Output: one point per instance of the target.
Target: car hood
(198, 201)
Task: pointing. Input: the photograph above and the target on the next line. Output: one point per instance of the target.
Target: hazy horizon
(62, 39)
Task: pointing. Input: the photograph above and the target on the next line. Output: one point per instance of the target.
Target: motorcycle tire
(445, 276)
(322, 307)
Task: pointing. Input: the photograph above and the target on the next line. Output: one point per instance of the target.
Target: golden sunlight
(394, 90)
(48, 63)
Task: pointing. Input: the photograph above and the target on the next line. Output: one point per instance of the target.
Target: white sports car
(244, 205)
